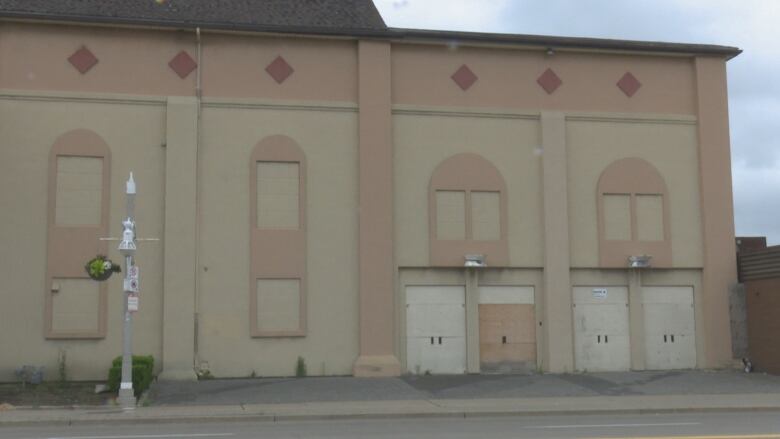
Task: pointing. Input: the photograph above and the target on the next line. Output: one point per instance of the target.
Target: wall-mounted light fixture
(475, 261)
(641, 261)
(550, 51)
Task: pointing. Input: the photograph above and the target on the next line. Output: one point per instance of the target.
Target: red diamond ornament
(183, 64)
(279, 69)
(628, 84)
(549, 81)
(83, 60)
(464, 77)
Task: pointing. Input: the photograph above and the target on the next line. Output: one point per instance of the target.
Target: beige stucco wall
(507, 79)
(129, 61)
(42, 96)
(720, 268)
(669, 145)
(424, 138)
(322, 69)
(329, 141)
(136, 62)
(28, 128)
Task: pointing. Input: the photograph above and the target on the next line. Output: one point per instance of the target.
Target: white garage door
(436, 329)
(670, 334)
(601, 334)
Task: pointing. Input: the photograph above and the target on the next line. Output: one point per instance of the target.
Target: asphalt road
(750, 425)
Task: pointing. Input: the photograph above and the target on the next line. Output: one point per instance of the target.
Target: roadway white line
(741, 436)
(663, 424)
(147, 436)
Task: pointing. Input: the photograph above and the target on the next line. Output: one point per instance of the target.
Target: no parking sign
(132, 302)
(131, 287)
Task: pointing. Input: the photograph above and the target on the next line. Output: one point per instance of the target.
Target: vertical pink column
(558, 329)
(376, 266)
(717, 210)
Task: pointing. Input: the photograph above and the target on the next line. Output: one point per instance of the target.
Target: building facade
(319, 181)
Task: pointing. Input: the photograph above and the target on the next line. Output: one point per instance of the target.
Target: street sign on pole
(132, 302)
(131, 285)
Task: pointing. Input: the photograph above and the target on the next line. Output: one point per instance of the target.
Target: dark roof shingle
(246, 14)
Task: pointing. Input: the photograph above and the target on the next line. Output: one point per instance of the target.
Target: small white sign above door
(599, 293)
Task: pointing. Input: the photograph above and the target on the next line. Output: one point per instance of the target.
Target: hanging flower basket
(101, 268)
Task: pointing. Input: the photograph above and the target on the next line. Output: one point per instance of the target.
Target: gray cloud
(756, 193)
(754, 132)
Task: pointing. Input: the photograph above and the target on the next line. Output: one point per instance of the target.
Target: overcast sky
(754, 76)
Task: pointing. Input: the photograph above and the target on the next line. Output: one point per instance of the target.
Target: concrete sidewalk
(434, 396)
(323, 389)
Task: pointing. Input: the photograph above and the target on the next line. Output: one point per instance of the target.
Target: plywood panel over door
(601, 331)
(75, 306)
(670, 329)
(507, 329)
(436, 329)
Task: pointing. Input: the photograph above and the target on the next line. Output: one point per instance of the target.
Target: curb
(262, 417)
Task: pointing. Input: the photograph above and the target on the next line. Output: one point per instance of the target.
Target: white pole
(127, 248)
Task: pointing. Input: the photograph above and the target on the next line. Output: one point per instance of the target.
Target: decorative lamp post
(127, 248)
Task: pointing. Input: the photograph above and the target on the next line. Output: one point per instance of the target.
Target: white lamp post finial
(131, 185)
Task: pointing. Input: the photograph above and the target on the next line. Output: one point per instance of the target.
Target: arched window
(277, 223)
(633, 214)
(79, 194)
(467, 211)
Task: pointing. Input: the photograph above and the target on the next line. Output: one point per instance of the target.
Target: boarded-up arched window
(79, 194)
(467, 211)
(633, 210)
(277, 188)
